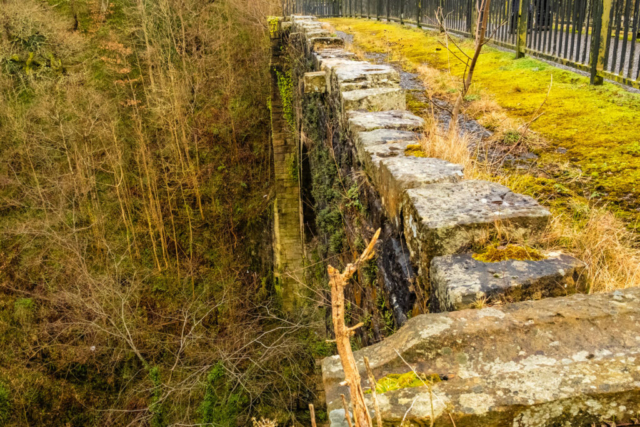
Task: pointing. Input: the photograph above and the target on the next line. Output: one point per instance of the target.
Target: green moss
(273, 22)
(292, 166)
(285, 86)
(414, 150)
(495, 253)
(399, 381)
(599, 126)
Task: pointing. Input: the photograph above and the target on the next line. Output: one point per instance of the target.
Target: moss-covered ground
(592, 132)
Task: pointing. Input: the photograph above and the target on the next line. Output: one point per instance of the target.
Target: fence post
(418, 13)
(401, 12)
(388, 10)
(523, 19)
(599, 41)
(474, 18)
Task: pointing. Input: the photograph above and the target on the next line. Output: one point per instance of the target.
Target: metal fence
(601, 37)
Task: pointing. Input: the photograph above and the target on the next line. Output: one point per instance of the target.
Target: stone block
(395, 119)
(377, 99)
(297, 19)
(458, 281)
(445, 219)
(315, 82)
(569, 361)
(318, 43)
(355, 75)
(382, 152)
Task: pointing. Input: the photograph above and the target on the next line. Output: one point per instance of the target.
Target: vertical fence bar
(401, 12)
(625, 34)
(634, 34)
(523, 19)
(601, 17)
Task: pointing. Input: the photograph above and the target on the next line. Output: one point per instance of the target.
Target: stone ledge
(444, 219)
(458, 281)
(315, 82)
(395, 119)
(319, 43)
(381, 151)
(568, 361)
(377, 99)
(355, 75)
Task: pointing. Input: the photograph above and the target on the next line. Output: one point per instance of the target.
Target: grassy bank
(598, 126)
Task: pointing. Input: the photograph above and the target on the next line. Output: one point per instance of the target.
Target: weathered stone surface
(355, 75)
(377, 99)
(318, 43)
(382, 152)
(315, 82)
(458, 281)
(395, 119)
(296, 19)
(444, 219)
(569, 361)
(318, 33)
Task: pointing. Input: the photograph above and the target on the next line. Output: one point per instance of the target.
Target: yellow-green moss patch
(414, 150)
(495, 253)
(399, 381)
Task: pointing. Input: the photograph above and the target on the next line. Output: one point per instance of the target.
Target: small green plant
(222, 403)
(285, 86)
(5, 403)
(156, 408)
(511, 137)
(23, 310)
(292, 166)
(353, 198)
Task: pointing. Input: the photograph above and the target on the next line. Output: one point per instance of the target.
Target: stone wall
(287, 225)
(560, 360)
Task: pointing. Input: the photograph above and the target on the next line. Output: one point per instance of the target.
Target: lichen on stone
(495, 253)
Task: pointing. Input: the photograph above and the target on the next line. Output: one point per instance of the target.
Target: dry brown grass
(604, 243)
(439, 143)
(598, 238)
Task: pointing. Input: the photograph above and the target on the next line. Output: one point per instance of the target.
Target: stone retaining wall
(564, 360)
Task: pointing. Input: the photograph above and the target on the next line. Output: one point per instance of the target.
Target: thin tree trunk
(480, 41)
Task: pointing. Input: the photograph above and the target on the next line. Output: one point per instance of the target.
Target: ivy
(285, 86)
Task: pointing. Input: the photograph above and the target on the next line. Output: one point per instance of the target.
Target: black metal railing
(598, 36)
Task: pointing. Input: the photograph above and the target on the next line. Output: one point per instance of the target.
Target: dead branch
(372, 381)
(337, 282)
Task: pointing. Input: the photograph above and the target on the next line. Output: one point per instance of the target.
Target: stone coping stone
(376, 99)
(458, 281)
(363, 75)
(329, 63)
(302, 18)
(315, 82)
(331, 57)
(382, 152)
(318, 33)
(394, 119)
(569, 361)
(445, 219)
(316, 44)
